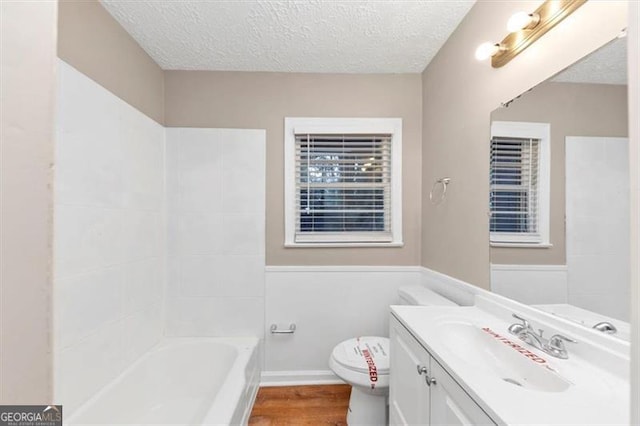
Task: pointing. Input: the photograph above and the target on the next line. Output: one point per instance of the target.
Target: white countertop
(595, 395)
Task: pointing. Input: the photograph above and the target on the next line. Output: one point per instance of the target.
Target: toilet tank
(422, 296)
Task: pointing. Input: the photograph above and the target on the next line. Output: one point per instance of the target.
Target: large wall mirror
(559, 198)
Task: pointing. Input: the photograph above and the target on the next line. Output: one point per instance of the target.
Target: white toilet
(363, 362)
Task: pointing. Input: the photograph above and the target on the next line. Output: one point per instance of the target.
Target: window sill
(342, 245)
(522, 245)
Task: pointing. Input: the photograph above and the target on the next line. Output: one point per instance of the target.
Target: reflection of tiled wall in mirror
(572, 109)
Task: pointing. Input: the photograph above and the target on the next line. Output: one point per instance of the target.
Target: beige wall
(27, 70)
(95, 44)
(572, 110)
(459, 94)
(263, 100)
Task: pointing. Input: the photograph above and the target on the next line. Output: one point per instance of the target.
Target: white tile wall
(215, 316)
(216, 229)
(141, 290)
(86, 367)
(142, 330)
(86, 237)
(87, 301)
(108, 236)
(597, 209)
(222, 276)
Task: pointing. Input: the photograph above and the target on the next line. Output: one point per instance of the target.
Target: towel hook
(445, 181)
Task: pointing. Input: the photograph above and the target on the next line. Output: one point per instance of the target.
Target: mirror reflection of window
(582, 274)
(514, 185)
(519, 183)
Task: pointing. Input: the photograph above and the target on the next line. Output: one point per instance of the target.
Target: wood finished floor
(301, 405)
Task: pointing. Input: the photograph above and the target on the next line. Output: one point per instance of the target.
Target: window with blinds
(514, 186)
(343, 187)
(517, 192)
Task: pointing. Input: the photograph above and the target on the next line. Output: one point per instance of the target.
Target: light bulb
(522, 20)
(486, 50)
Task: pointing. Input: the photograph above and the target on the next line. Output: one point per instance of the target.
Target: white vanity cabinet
(409, 395)
(421, 392)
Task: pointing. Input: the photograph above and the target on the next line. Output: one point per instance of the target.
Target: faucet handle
(557, 342)
(558, 339)
(555, 346)
(606, 327)
(525, 323)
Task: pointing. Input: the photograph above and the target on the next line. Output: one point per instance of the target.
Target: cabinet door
(408, 390)
(450, 404)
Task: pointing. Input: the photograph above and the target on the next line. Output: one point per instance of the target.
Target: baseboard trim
(299, 378)
(342, 268)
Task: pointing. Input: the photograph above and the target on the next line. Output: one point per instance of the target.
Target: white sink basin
(501, 356)
(506, 376)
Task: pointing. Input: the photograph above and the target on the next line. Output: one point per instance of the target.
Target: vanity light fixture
(523, 21)
(525, 28)
(487, 50)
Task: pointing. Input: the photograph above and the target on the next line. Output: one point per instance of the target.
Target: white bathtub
(181, 381)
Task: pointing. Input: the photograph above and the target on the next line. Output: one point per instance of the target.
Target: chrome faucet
(606, 327)
(553, 346)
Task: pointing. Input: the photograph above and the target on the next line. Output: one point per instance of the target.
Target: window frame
(323, 125)
(542, 132)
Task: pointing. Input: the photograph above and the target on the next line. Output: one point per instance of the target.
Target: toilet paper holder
(274, 329)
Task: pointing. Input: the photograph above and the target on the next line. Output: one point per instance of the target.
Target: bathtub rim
(246, 346)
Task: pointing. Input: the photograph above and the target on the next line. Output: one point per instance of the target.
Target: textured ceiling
(607, 65)
(329, 36)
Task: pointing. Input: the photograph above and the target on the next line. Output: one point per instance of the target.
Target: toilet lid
(366, 354)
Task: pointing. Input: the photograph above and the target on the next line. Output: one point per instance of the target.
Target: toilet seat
(363, 361)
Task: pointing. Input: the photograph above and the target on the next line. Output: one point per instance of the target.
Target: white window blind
(515, 189)
(343, 187)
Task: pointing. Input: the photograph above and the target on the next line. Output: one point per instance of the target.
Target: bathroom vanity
(421, 390)
(461, 365)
